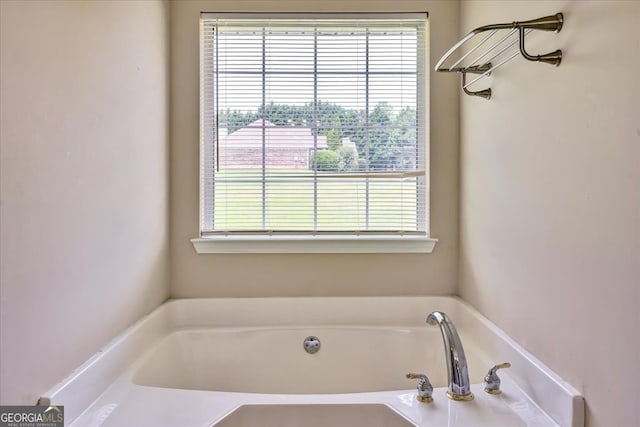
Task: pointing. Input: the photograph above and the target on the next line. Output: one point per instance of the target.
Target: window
(313, 128)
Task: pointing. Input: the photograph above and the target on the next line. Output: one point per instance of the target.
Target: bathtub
(272, 360)
(242, 362)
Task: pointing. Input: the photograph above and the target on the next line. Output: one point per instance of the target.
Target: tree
(382, 154)
(348, 159)
(404, 136)
(235, 119)
(326, 160)
(334, 135)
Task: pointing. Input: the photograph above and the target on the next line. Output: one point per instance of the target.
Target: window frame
(348, 242)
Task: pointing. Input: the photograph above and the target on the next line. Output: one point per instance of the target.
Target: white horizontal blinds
(208, 126)
(314, 125)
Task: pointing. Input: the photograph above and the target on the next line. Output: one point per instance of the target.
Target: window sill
(304, 244)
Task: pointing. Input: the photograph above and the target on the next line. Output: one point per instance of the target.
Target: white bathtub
(241, 362)
(272, 359)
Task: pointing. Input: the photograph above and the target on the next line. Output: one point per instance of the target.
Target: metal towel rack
(482, 65)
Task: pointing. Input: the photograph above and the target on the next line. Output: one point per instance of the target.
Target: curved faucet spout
(457, 370)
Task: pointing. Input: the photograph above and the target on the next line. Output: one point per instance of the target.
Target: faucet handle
(492, 381)
(425, 389)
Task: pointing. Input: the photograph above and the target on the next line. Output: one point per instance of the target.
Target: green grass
(341, 202)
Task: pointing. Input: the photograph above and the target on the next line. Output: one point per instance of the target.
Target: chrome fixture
(425, 389)
(457, 371)
(499, 53)
(492, 381)
(311, 344)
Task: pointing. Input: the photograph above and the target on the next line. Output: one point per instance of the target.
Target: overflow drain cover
(311, 344)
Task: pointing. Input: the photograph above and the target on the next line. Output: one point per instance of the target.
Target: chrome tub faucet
(457, 371)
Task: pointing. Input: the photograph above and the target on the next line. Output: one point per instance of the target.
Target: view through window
(313, 124)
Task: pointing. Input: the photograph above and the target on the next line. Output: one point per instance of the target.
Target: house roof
(275, 137)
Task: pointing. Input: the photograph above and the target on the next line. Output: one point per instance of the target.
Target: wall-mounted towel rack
(483, 64)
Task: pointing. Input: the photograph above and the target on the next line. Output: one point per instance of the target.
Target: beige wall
(292, 275)
(84, 182)
(550, 199)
